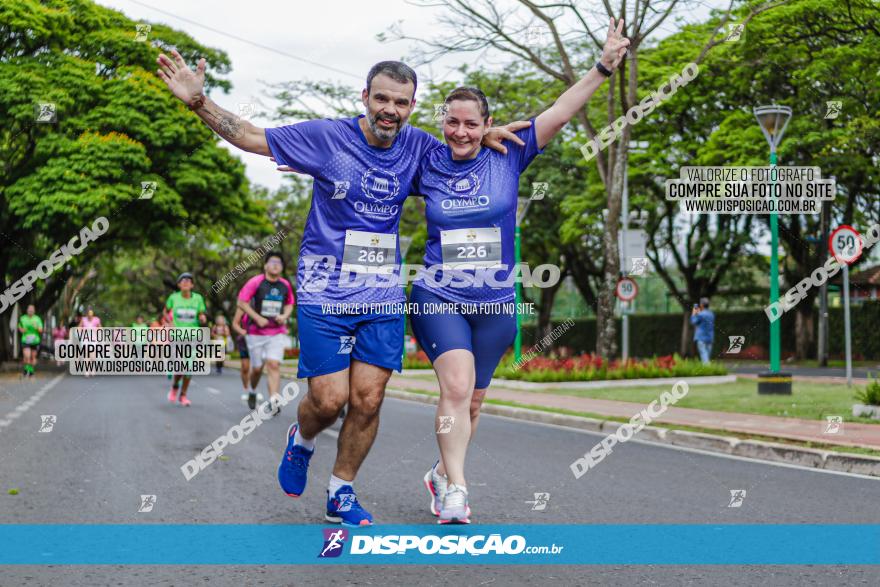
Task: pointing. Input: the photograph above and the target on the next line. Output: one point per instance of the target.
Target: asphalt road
(116, 438)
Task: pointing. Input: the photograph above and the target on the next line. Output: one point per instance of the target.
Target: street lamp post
(522, 206)
(773, 120)
(405, 242)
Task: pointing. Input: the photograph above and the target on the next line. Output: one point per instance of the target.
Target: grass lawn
(812, 401)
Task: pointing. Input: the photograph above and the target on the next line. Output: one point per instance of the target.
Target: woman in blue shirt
(465, 320)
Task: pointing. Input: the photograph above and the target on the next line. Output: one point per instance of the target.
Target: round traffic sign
(845, 244)
(626, 289)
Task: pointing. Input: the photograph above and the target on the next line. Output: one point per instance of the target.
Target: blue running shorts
(485, 330)
(328, 341)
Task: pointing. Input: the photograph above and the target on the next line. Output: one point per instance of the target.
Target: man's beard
(381, 133)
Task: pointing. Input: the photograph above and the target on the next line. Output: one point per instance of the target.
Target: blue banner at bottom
(154, 544)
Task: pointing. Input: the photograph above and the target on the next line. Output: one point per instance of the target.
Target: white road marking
(331, 432)
(213, 390)
(26, 405)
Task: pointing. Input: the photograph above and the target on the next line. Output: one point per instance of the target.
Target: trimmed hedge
(660, 334)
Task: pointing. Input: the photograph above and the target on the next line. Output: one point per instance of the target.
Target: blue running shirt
(471, 212)
(357, 200)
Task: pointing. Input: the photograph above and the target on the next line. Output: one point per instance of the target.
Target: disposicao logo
(334, 540)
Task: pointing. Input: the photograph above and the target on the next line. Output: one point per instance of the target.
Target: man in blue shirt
(362, 169)
(703, 320)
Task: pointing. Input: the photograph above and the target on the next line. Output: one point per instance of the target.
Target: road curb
(754, 449)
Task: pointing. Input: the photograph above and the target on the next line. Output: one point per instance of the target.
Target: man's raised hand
(187, 85)
(495, 136)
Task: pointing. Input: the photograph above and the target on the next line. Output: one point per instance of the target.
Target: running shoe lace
(296, 459)
(456, 497)
(439, 483)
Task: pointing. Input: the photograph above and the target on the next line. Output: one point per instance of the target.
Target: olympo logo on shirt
(380, 185)
(464, 187)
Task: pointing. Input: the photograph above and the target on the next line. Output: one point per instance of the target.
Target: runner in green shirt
(31, 328)
(139, 322)
(188, 311)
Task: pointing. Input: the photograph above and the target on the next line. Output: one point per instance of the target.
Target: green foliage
(117, 126)
(416, 361)
(870, 396)
(659, 334)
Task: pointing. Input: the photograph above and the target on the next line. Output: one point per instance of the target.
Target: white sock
(306, 444)
(336, 483)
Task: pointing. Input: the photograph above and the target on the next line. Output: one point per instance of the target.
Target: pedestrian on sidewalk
(703, 320)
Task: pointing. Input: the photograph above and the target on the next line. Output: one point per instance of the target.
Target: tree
(115, 126)
(802, 54)
(481, 26)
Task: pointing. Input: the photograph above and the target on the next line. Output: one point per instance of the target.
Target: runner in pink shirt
(90, 321)
(59, 333)
(267, 299)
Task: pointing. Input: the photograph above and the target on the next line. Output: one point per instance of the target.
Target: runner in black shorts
(239, 329)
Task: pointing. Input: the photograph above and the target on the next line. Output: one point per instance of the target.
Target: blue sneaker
(344, 508)
(293, 472)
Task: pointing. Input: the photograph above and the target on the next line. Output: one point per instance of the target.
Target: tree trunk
(686, 336)
(5, 317)
(5, 338)
(803, 330)
(606, 329)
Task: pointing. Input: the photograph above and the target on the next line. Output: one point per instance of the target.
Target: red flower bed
(591, 361)
(417, 360)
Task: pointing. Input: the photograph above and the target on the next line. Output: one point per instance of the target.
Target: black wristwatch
(603, 70)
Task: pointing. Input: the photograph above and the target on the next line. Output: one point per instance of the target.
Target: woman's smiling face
(464, 127)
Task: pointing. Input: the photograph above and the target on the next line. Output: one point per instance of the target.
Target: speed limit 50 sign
(845, 243)
(626, 289)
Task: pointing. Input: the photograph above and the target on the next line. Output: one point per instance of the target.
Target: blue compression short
(486, 335)
(329, 341)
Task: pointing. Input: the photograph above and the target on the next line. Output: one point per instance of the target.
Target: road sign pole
(822, 354)
(846, 325)
(842, 244)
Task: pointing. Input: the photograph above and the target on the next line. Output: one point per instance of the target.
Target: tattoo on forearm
(231, 127)
(224, 123)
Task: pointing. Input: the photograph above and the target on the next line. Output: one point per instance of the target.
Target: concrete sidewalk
(851, 434)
